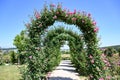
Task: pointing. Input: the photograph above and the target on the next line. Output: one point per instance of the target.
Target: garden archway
(78, 56)
(81, 19)
(53, 40)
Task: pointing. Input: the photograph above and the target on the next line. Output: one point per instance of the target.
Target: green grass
(9, 72)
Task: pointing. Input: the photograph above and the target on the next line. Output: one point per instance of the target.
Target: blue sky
(14, 13)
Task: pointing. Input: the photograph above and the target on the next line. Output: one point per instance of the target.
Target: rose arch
(46, 18)
(56, 37)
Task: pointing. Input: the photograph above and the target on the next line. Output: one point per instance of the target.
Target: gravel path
(65, 71)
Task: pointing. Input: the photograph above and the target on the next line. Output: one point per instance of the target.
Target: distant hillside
(114, 46)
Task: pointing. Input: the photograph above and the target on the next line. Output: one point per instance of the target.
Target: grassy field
(9, 72)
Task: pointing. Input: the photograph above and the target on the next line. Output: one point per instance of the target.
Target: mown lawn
(9, 72)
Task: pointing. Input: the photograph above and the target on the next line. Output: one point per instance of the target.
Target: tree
(20, 42)
(110, 51)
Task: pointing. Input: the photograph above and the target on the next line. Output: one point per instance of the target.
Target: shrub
(13, 57)
(110, 51)
(6, 58)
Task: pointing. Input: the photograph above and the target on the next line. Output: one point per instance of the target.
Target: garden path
(65, 71)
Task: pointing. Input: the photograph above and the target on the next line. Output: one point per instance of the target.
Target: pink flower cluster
(66, 15)
(105, 60)
(74, 19)
(71, 13)
(96, 29)
(92, 60)
(37, 15)
(30, 57)
(101, 79)
(55, 17)
(94, 23)
(90, 56)
(52, 5)
(108, 77)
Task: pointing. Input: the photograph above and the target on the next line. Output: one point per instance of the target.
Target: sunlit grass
(9, 72)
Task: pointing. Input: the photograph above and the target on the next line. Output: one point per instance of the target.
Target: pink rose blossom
(90, 56)
(103, 55)
(74, 19)
(70, 13)
(52, 5)
(37, 15)
(30, 57)
(108, 64)
(55, 17)
(94, 23)
(96, 29)
(105, 61)
(92, 61)
(83, 21)
(66, 15)
(108, 77)
(101, 79)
